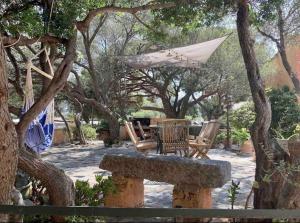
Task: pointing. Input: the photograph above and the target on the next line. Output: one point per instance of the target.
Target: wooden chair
(174, 135)
(143, 134)
(205, 140)
(139, 145)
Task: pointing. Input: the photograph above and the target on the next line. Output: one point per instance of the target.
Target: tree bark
(114, 128)
(267, 153)
(8, 140)
(282, 51)
(79, 133)
(59, 186)
(66, 123)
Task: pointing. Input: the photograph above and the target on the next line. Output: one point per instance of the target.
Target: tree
(179, 89)
(99, 84)
(25, 23)
(279, 22)
(176, 88)
(267, 194)
(271, 189)
(8, 151)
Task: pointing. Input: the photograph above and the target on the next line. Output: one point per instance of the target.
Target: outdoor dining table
(155, 131)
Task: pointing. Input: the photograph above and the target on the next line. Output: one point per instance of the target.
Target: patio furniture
(205, 140)
(142, 132)
(139, 145)
(174, 135)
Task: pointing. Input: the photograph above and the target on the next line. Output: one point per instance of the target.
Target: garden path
(81, 162)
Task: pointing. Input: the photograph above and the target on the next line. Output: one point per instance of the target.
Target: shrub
(285, 111)
(89, 132)
(239, 136)
(220, 138)
(93, 196)
(85, 195)
(243, 117)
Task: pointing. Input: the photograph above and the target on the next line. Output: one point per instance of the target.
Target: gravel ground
(81, 162)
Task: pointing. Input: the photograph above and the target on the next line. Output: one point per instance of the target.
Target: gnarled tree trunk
(267, 153)
(8, 140)
(59, 186)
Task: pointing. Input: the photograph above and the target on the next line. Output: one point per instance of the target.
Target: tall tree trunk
(79, 133)
(8, 140)
(66, 123)
(282, 51)
(267, 153)
(114, 128)
(59, 186)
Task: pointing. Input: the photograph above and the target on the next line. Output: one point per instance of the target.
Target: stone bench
(193, 178)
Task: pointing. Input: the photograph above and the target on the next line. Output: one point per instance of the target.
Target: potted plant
(242, 138)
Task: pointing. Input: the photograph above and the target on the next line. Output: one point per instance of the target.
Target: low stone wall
(193, 178)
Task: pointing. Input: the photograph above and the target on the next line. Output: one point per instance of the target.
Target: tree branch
(82, 25)
(153, 108)
(22, 40)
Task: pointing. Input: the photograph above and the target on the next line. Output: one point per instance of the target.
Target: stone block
(130, 193)
(170, 169)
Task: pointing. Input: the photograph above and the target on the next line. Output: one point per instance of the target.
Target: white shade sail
(188, 56)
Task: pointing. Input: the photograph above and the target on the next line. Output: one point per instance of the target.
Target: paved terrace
(82, 163)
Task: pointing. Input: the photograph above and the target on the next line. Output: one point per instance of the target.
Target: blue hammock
(39, 134)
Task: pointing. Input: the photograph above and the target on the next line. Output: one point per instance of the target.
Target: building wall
(280, 78)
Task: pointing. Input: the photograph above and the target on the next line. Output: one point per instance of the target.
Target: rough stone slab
(169, 169)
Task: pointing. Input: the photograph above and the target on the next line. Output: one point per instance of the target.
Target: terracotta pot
(247, 147)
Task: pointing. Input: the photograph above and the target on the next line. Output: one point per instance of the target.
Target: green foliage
(285, 111)
(232, 192)
(102, 126)
(89, 132)
(220, 138)
(243, 117)
(34, 19)
(239, 136)
(85, 195)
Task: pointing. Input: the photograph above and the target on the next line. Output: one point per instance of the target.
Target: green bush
(243, 117)
(285, 112)
(93, 196)
(85, 195)
(239, 136)
(89, 132)
(220, 138)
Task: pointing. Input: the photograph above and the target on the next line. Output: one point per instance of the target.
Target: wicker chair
(142, 132)
(174, 135)
(139, 145)
(204, 141)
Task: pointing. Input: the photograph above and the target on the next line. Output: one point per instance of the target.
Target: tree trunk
(66, 123)
(114, 128)
(8, 140)
(282, 51)
(79, 132)
(267, 153)
(59, 186)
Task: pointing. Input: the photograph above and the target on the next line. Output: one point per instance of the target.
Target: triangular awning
(188, 56)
